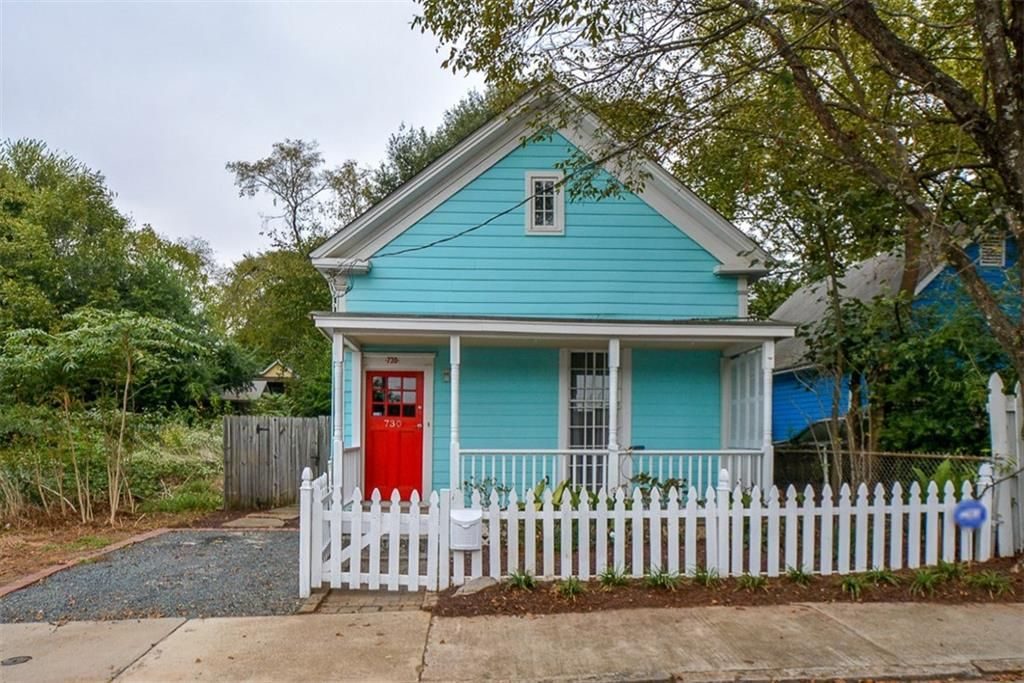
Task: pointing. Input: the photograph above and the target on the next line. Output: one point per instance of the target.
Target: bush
(194, 496)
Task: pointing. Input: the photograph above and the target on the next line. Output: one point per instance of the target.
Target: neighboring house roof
(877, 276)
(351, 248)
(275, 372)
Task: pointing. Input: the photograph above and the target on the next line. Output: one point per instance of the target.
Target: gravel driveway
(179, 573)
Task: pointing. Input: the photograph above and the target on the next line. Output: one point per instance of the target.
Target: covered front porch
(500, 404)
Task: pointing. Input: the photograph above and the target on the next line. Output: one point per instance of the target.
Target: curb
(35, 577)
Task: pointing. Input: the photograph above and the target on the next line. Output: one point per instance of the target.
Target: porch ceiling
(371, 329)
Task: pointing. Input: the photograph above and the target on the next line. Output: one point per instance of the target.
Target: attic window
(545, 205)
(993, 253)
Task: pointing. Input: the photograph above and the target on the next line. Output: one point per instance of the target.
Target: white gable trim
(368, 234)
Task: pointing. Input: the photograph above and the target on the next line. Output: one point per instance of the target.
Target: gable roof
(350, 248)
(866, 280)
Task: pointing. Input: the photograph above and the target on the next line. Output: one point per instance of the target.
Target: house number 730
(392, 360)
(392, 424)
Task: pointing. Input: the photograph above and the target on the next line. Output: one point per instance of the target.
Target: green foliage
(853, 585)
(193, 496)
(941, 475)
(880, 575)
(925, 581)
(950, 571)
(663, 579)
(991, 581)
(522, 581)
(751, 583)
(89, 543)
(708, 578)
(571, 588)
(798, 576)
(612, 578)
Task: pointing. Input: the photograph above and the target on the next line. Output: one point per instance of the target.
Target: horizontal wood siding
(618, 258)
(676, 400)
(800, 398)
(509, 398)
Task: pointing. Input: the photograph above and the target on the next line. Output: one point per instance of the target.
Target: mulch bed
(544, 599)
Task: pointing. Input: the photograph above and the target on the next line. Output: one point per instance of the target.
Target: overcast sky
(159, 95)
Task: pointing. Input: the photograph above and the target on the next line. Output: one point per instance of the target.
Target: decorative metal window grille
(588, 415)
(544, 203)
(993, 253)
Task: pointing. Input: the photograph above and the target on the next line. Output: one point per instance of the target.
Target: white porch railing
(692, 468)
(506, 470)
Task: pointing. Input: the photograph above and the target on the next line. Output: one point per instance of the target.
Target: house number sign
(392, 360)
(392, 424)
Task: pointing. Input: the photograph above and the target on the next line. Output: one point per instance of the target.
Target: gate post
(305, 532)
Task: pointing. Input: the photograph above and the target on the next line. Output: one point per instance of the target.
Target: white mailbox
(467, 527)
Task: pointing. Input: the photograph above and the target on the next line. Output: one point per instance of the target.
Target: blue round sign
(970, 514)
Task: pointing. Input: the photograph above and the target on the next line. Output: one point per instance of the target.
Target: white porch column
(767, 371)
(337, 410)
(455, 343)
(358, 405)
(613, 413)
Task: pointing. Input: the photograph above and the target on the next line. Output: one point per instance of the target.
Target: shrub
(798, 576)
(193, 496)
(925, 581)
(853, 586)
(751, 583)
(950, 571)
(991, 581)
(662, 578)
(522, 581)
(708, 578)
(612, 578)
(571, 588)
(880, 575)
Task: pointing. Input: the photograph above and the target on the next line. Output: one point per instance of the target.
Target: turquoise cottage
(491, 331)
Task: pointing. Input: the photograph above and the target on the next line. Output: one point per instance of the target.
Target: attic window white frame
(992, 253)
(559, 204)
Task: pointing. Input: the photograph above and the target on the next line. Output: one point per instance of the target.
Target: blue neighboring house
(492, 329)
(801, 395)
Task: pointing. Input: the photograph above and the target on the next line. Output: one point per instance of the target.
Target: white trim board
(583, 329)
(413, 362)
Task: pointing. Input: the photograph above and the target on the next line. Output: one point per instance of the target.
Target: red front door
(394, 432)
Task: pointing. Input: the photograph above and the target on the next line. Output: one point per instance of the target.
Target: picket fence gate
(394, 545)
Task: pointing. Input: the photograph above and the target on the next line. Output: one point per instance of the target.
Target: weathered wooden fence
(264, 456)
(727, 531)
(1006, 418)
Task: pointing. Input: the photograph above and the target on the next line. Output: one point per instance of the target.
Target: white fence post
(722, 500)
(985, 532)
(306, 554)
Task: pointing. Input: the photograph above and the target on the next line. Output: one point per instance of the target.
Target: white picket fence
(1006, 415)
(375, 544)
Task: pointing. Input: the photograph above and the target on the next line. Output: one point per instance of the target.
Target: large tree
(921, 103)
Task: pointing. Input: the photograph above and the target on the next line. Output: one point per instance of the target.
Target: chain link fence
(801, 467)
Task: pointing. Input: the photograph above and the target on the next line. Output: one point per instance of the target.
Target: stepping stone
(283, 513)
(255, 523)
(475, 586)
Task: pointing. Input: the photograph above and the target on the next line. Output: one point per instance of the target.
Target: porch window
(588, 414)
(544, 206)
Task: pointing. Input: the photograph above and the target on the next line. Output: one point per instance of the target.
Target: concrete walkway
(795, 642)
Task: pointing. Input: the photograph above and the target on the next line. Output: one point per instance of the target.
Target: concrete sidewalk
(794, 642)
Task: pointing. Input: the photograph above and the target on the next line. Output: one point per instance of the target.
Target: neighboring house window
(588, 414)
(993, 253)
(545, 208)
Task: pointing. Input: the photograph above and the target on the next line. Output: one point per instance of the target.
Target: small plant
(798, 576)
(880, 575)
(706, 577)
(950, 571)
(751, 583)
(612, 578)
(523, 581)
(991, 581)
(571, 588)
(925, 581)
(662, 578)
(853, 586)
